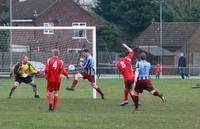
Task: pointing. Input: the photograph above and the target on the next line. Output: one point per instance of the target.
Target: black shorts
(27, 79)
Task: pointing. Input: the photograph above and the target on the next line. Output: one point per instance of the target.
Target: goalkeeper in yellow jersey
(23, 72)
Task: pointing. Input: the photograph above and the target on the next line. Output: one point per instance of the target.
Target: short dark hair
(85, 50)
(123, 54)
(143, 56)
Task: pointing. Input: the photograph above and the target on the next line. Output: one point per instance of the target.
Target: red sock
(126, 94)
(55, 102)
(74, 83)
(49, 97)
(136, 99)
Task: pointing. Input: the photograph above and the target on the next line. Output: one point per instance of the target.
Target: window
(79, 34)
(48, 31)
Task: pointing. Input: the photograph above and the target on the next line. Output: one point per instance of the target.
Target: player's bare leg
(16, 84)
(49, 97)
(94, 85)
(135, 97)
(35, 90)
(75, 82)
(55, 102)
(156, 93)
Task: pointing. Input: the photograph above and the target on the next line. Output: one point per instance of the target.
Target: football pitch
(77, 110)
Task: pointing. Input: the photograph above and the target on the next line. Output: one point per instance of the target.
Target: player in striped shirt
(87, 72)
(142, 80)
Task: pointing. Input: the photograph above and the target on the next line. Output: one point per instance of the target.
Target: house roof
(156, 51)
(175, 34)
(25, 9)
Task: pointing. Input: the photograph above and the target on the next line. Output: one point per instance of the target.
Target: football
(71, 67)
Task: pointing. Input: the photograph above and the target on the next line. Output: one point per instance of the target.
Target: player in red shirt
(157, 71)
(125, 67)
(54, 67)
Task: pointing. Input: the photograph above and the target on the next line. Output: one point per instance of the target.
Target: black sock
(35, 90)
(12, 90)
(99, 91)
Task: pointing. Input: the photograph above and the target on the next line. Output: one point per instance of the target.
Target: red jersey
(157, 68)
(54, 67)
(125, 67)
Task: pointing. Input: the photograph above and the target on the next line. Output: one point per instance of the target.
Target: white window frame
(76, 50)
(22, 0)
(76, 32)
(48, 31)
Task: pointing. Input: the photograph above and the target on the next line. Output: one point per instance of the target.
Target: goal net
(37, 42)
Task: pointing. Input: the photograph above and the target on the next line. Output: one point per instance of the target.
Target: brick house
(51, 13)
(177, 37)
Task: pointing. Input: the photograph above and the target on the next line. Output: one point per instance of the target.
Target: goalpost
(38, 41)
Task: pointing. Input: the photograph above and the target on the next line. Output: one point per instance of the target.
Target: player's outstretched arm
(136, 74)
(131, 52)
(127, 47)
(135, 78)
(64, 71)
(46, 66)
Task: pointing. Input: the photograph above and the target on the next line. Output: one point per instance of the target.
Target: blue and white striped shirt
(88, 65)
(143, 68)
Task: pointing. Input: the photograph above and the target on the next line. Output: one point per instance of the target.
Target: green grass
(77, 110)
